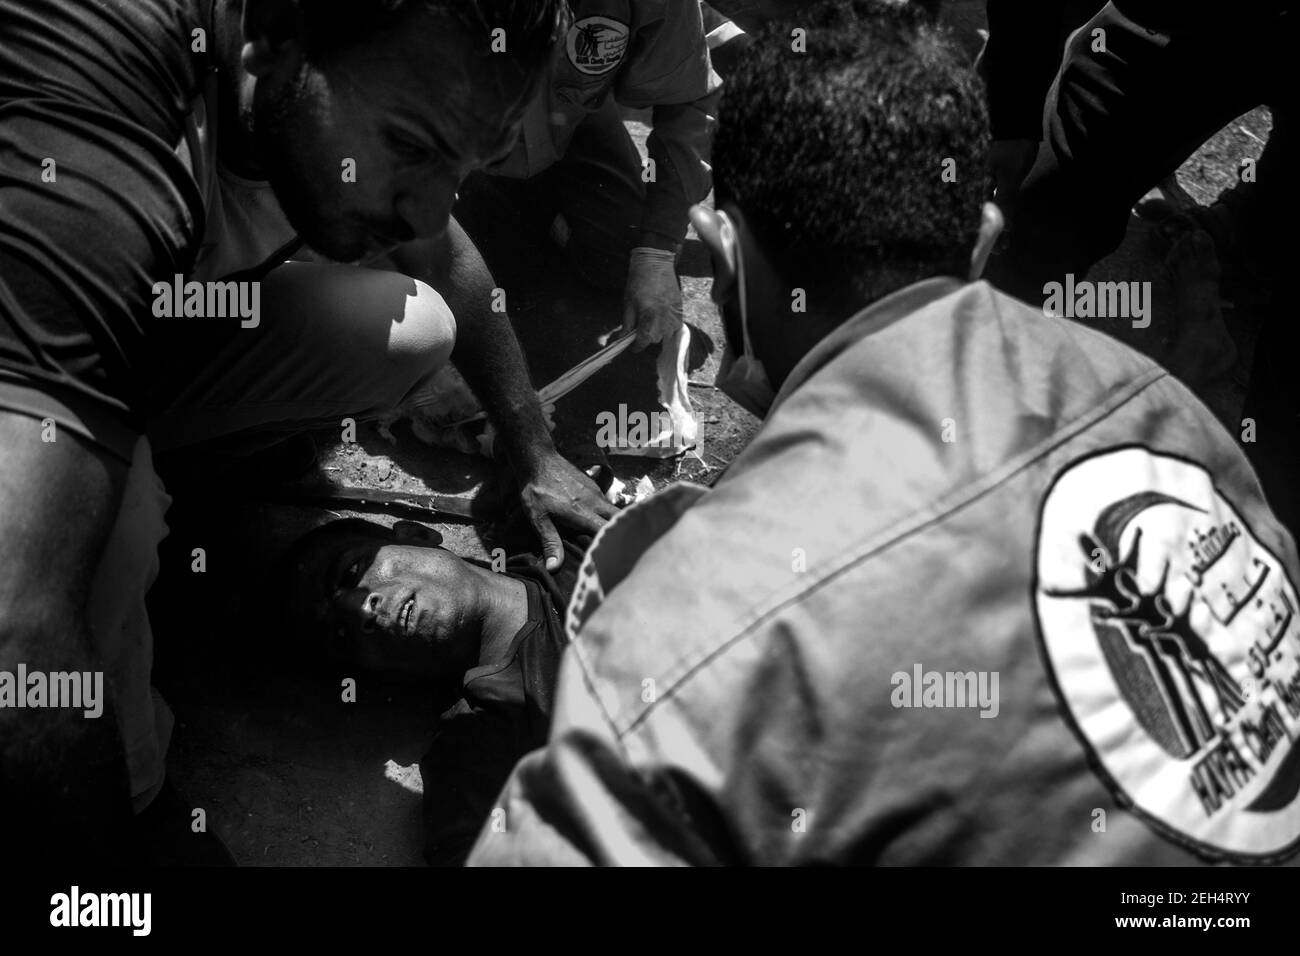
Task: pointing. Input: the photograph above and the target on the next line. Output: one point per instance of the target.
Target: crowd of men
(987, 587)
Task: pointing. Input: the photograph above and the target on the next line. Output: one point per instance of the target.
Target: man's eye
(351, 575)
(409, 149)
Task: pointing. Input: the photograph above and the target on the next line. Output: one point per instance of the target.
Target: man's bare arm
(487, 352)
(488, 356)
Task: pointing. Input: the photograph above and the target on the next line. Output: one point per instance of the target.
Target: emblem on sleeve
(1171, 634)
(597, 44)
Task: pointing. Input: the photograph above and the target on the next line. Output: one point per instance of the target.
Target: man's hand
(555, 490)
(652, 304)
(488, 355)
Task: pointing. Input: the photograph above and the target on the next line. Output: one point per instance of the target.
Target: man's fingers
(657, 325)
(589, 516)
(595, 501)
(646, 336)
(634, 320)
(552, 547)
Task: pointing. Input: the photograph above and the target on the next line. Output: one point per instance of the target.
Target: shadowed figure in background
(1142, 84)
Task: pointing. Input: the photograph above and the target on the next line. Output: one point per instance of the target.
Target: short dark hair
(296, 577)
(532, 27)
(331, 536)
(836, 154)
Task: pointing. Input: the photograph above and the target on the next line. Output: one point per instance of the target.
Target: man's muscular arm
(488, 355)
(486, 352)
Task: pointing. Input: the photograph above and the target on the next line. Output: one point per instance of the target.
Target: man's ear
(992, 223)
(413, 531)
(269, 28)
(709, 225)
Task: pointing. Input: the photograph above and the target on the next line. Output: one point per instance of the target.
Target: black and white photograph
(648, 433)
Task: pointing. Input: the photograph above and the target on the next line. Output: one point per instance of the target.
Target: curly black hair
(836, 155)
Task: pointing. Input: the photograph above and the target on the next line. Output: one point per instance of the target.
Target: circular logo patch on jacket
(597, 44)
(1171, 634)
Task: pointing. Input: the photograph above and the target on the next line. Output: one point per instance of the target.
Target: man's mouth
(406, 616)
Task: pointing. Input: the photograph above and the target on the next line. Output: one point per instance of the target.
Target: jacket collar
(876, 316)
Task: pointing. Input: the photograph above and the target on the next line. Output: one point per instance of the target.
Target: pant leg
(600, 195)
(1119, 121)
(333, 342)
(510, 223)
(591, 202)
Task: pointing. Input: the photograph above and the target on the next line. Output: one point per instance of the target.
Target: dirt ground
(290, 774)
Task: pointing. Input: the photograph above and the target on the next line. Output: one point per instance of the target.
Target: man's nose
(370, 612)
(425, 208)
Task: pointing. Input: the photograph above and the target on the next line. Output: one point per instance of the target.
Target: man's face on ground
(366, 149)
(399, 608)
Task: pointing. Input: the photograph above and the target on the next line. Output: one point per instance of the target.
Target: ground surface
(290, 774)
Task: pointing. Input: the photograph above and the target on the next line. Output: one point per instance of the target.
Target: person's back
(986, 588)
(93, 98)
(968, 556)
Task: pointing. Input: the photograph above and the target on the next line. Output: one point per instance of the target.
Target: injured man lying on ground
(394, 604)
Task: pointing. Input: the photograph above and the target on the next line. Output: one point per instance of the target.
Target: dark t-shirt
(504, 713)
(95, 204)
